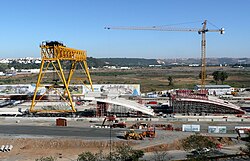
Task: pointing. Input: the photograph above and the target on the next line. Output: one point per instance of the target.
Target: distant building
(125, 68)
(153, 65)
(38, 61)
(109, 67)
(160, 62)
(2, 73)
(10, 72)
(216, 89)
(111, 89)
(194, 65)
(30, 70)
(5, 61)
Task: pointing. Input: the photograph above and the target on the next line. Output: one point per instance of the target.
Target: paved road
(85, 132)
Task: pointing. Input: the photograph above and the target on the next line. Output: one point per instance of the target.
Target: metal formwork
(53, 54)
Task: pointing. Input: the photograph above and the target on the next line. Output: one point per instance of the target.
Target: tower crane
(201, 31)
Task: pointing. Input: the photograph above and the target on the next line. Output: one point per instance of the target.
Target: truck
(115, 122)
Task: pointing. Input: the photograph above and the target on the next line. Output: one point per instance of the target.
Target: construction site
(65, 113)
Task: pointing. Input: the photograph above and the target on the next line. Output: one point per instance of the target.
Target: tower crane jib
(201, 31)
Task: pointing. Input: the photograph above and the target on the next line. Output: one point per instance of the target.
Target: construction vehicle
(119, 124)
(149, 133)
(115, 122)
(169, 127)
(139, 125)
(201, 31)
(131, 134)
(240, 131)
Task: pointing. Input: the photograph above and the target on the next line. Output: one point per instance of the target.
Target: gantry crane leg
(66, 87)
(40, 76)
(88, 75)
(71, 72)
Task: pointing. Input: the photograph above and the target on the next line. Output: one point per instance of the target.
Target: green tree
(46, 159)
(223, 76)
(160, 156)
(3, 67)
(170, 81)
(86, 156)
(216, 76)
(220, 76)
(120, 153)
(125, 153)
(197, 143)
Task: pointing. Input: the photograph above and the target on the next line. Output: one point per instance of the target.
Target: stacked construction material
(6, 148)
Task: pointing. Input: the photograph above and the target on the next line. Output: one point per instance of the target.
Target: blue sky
(80, 24)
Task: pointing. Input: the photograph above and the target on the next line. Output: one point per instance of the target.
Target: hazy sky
(80, 24)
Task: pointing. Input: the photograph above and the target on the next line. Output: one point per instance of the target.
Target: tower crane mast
(201, 31)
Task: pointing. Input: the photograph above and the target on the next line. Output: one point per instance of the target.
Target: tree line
(217, 76)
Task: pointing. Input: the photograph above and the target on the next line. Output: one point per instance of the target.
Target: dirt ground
(29, 148)
(63, 149)
(68, 149)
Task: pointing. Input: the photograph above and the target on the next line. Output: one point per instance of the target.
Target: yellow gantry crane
(201, 31)
(54, 55)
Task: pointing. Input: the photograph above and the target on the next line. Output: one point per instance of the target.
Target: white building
(194, 65)
(30, 70)
(5, 61)
(125, 68)
(216, 89)
(153, 65)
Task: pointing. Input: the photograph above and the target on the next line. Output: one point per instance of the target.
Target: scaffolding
(54, 56)
(197, 102)
(201, 108)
